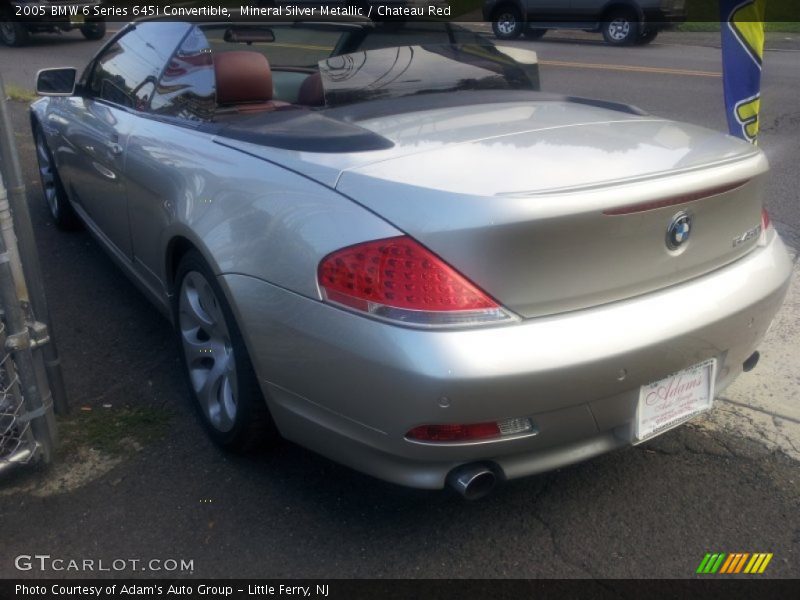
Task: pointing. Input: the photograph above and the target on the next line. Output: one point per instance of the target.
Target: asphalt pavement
(726, 483)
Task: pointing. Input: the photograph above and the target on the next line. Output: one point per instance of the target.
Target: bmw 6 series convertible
(393, 249)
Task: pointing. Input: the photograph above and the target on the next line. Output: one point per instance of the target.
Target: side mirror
(56, 82)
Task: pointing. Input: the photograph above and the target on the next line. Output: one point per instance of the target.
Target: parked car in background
(20, 18)
(388, 246)
(622, 22)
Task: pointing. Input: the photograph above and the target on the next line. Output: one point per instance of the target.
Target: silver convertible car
(394, 250)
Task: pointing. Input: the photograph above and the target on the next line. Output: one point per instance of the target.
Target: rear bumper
(350, 388)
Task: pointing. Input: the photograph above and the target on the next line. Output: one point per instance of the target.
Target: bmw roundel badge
(679, 230)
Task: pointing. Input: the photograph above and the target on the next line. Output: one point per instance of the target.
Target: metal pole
(12, 406)
(36, 396)
(29, 254)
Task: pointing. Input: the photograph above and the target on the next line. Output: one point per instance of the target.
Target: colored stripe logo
(734, 563)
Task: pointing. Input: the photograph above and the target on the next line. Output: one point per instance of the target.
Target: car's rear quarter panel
(246, 215)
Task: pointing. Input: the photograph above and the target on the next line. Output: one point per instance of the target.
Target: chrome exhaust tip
(472, 482)
(751, 362)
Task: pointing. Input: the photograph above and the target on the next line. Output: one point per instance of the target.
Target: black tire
(647, 36)
(621, 28)
(13, 33)
(253, 427)
(534, 34)
(55, 196)
(94, 31)
(507, 22)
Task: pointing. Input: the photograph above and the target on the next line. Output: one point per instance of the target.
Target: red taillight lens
(473, 432)
(454, 433)
(399, 279)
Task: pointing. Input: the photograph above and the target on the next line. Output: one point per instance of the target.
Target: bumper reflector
(471, 432)
(515, 426)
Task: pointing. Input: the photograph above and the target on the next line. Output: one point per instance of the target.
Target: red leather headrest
(242, 76)
(311, 92)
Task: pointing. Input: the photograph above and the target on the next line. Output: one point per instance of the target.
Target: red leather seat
(244, 82)
(311, 92)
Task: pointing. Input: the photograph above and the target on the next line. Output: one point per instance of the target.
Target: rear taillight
(766, 227)
(473, 432)
(454, 433)
(400, 280)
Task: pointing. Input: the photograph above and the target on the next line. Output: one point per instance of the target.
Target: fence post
(25, 383)
(29, 255)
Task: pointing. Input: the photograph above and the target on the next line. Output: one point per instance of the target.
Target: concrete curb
(763, 405)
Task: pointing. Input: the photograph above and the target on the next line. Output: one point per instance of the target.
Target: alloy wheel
(208, 351)
(619, 29)
(506, 24)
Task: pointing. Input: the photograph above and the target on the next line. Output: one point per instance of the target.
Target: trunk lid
(554, 206)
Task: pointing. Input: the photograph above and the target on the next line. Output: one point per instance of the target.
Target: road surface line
(632, 68)
(759, 409)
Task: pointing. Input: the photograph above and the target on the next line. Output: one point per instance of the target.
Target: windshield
(289, 46)
(211, 75)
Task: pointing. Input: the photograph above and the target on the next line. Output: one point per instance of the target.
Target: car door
(98, 122)
(165, 153)
(547, 9)
(590, 10)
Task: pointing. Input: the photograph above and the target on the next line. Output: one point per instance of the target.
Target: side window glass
(186, 89)
(127, 71)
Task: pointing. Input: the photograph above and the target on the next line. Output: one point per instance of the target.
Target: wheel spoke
(211, 382)
(210, 305)
(190, 305)
(227, 397)
(209, 395)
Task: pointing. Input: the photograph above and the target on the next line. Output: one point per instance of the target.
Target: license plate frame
(673, 400)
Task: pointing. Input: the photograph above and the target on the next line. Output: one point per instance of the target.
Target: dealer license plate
(671, 401)
(78, 19)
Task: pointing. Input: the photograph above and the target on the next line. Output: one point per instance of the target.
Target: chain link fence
(29, 366)
(17, 444)
(18, 440)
